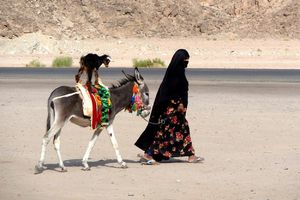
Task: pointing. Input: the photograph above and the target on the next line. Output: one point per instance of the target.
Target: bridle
(136, 103)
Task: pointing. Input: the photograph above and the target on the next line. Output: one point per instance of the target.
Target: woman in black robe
(167, 134)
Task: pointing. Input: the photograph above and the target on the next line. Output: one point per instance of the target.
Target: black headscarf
(173, 87)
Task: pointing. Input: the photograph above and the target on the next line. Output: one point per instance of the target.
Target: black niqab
(173, 87)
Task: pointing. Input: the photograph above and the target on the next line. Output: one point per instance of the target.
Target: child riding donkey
(98, 96)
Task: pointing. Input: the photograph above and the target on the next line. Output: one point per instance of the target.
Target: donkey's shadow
(111, 163)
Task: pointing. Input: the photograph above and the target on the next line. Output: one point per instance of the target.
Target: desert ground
(248, 133)
(212, 52)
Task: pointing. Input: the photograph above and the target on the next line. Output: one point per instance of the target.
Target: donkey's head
(142, 92)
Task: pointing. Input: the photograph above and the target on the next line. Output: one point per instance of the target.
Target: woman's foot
(145, 157)
(150, 162)
(195, 159)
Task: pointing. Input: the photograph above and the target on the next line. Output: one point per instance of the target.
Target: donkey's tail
(50, 116)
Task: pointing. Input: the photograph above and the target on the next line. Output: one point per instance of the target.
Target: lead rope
(153, 123)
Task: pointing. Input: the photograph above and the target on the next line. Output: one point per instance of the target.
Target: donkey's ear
(128, 76)
(138, 76)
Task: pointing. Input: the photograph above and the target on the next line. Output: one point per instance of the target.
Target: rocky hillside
(82, 19)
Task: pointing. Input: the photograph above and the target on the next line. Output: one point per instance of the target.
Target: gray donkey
(65, 104)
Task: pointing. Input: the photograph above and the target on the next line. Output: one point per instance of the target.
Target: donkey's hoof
(124, 165)
(38, 169)
(86, 169)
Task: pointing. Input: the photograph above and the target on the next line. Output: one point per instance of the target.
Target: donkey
(65, 104)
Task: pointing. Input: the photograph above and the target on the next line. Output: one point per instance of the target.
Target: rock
(126, 18)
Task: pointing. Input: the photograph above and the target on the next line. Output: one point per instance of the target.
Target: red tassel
(135, 89)
(94, 121)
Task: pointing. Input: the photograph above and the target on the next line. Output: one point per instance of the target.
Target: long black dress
(171, 138)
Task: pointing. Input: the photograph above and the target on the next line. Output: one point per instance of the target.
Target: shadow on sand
(111, 163)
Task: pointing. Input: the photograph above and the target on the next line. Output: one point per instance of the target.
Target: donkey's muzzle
(146, 107)
(145, 113)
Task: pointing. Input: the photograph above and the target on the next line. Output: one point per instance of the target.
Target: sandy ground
(223, 52)
(248, 133)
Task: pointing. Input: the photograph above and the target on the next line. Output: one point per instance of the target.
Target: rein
(162, 121)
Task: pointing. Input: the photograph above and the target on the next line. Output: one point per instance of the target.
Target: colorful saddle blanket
(96, 104)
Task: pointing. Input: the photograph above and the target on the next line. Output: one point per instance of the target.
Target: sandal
(146, 161)
(196, 159)
(149, 162)
(143, 158)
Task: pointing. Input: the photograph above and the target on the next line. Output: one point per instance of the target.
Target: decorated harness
(136, 103)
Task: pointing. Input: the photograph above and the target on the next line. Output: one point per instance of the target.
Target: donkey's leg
(49, 134)
(56, 143)
(89, 149)
(114, 142)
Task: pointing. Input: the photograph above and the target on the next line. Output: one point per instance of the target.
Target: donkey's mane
(122, 82)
